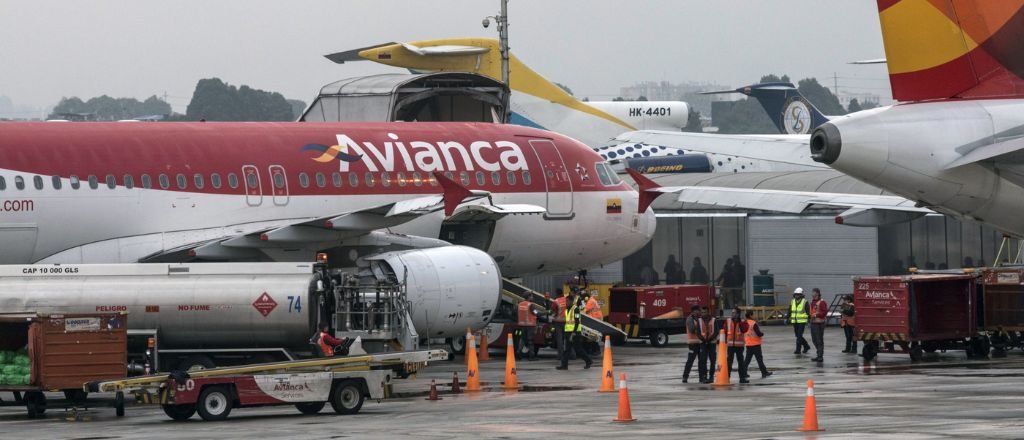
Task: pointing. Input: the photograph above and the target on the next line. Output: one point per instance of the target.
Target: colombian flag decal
(613, 206)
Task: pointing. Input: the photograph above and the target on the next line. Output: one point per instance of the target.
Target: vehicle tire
(659, 338)
(310, 408)
(347, 397)
(870, 350)
(196, 362)
(457, 344)
(179, 412)
(35, 403)
(916, 353)
(929, 347)
(119, 404)
(214, 403)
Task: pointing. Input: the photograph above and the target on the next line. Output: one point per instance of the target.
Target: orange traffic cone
(607, 375)
(455, 383)
(473, 371)
(511, 378)
(810, 411)
(485, 354)
(625, 414)
(721, 369)
(433, 391)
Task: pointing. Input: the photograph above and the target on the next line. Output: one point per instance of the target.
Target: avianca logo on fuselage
(396, 155)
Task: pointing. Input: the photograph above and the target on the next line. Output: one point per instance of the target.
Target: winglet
(454, 193)
(646, 185)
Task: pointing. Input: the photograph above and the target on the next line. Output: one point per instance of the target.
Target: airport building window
(182, 181)
(369, 180)
(38, 182)
(165, 182)
(511, 177)
(75, 183)
(251, 181)
(129, 181)
(321, 181)
(3, 183)
(93, 182)
(526, 178)
(147, 183)
(336, 179)
(401, 179)
(111, 183)
(304, 180)
(385, 179)
(464, 178)
(417, 179)
(232, 180)
(495, 178)
(481, 179)
(215, 180)
(19, 182)
(198, 178)
(353, 180)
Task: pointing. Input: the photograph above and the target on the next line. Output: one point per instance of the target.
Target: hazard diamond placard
(265, 304)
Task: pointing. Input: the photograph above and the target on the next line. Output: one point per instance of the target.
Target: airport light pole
(502, 22)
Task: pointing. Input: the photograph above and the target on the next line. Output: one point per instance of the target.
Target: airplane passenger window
(400, 179)
(75, 183)
(38, 182)
(198, 178)
(321, 181)
(602, 174)
(278, 180)
(304, 180)
(56, 182)
(464, 177)
(3, 183)
(495, 177)
(129, 181)
(232, 180)
(147, 183)
(417, 179)
(511, 177)
(182, 181)
(526, 177)
(251, 181)
(480, 178)
(19, 182)
(215, 180)
(353, 180)
(369, 179)
(111, 183)
(164, 181)
(430, 178)
(336, 178)
(93, 182)
(385, 179)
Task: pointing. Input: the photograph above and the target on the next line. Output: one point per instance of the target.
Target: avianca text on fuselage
(418, 155)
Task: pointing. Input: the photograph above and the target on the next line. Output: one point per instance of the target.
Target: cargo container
(655, 312)
(1001, 302)
(917, 313)
(63, 352)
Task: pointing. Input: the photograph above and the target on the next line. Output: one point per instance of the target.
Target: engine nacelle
(448, 288)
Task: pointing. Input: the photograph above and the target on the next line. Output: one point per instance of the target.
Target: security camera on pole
(502, 21)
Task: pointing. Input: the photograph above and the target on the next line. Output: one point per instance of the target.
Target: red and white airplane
(131, 192)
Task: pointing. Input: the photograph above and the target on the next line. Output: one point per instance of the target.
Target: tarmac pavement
(944, 396)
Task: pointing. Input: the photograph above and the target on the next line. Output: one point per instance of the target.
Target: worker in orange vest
(527, 329)
(848, 324)
(753, 347)
(735, 339)
(593, 309)
(326, 343)
(696, 332)
(819, 313)
(712, 325)
(558, 322)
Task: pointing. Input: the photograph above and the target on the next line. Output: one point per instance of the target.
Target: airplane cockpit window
(602, 174)
(56, 182)
(215, 180)
(232, 180)
(200, 183)
(147, 183)
(511, 177)
(165, 182)
(110, 181)
(304, 180)
(182, 181)
(75, 183)
(526, 178)
(613, 175)
(38, 182)
(93, 181)
(129, 181)
(19, 182)
(3, 183)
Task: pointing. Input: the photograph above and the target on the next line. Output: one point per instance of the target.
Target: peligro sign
(429, 157)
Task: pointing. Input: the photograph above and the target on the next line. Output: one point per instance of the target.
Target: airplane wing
(862, 209)
(353, 228)
(783, 149)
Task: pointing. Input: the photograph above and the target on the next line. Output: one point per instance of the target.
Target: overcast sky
(50, 49)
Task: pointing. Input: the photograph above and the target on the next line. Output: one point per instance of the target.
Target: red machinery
(656, 312)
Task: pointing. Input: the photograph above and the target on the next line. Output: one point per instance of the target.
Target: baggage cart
(1001, 301)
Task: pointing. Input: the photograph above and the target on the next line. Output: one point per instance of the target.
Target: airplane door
(253, 187)
(280, 182)
(556, 178)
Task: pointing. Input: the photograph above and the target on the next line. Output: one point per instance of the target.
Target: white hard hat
(798, 290)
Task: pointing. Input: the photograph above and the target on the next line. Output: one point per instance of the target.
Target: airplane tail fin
(940, 49)
(789, 110)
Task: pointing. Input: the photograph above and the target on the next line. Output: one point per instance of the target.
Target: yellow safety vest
(797, 312)
(572, 317)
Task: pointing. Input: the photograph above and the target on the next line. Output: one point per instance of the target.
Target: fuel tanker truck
(201, 315)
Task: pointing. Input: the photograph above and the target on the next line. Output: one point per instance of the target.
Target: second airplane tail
(789, 110)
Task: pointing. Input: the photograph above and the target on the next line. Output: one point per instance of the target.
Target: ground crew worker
(712, 326)
(527, 328)
(695, 331)
(848, 324)
(799, 311)
(593, 309)
(558, 320)
(326, 342)
(753, 340)
(572, 336)
(819, 313)
(735, 339)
